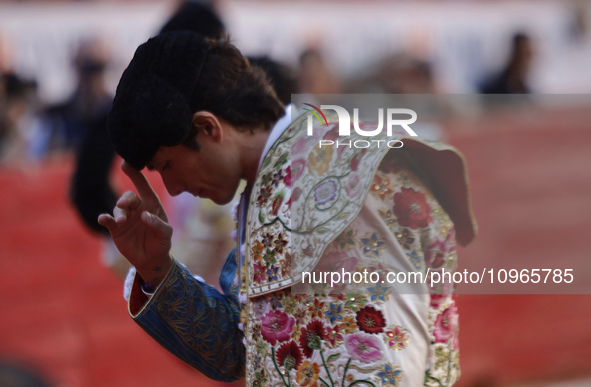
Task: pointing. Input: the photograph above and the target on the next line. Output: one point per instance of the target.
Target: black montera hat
(152, 104)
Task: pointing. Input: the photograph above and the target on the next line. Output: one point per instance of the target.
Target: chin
(223, 198)
(221, 202)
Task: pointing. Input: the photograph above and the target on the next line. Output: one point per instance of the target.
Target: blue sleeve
(195, 322)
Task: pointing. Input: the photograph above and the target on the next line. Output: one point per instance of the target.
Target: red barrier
(62, 311)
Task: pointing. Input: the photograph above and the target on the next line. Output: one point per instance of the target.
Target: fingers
(120, 215)
(129, 200)
(139, 181)
(157, 224)
(107, 221)
(162, 228)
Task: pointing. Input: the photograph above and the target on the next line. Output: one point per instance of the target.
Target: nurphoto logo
(392, 120)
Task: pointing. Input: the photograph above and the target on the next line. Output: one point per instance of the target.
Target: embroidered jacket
(319, 210)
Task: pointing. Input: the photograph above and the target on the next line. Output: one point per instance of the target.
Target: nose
(173, 187)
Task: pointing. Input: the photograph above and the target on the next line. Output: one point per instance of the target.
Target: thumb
(157, 224)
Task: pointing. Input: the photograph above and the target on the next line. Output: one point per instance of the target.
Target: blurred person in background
(401, 73)
(197, 16)
(315, 76)
(62, 127)
(405, 74)
(513, 79)
(579, 24)
(18, 101)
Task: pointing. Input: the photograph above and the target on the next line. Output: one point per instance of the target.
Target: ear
(208, 126)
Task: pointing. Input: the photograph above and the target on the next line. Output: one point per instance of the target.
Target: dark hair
(281, 77)
(175, 75)
(231, 88)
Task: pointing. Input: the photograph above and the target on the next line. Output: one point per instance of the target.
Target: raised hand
(139, 227)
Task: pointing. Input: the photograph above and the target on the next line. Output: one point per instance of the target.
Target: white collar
(280, 126)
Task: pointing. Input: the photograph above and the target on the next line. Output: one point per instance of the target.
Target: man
(195, 111)
(93, 194)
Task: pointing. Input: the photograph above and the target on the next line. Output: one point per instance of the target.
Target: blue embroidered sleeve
(197, 323)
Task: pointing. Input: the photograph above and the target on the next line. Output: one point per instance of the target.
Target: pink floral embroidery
(261, 307)
(287, 178)
(332, 134)
(445, 324)
(304, 143)
(297, 169)
(434, 255)
(276, 326)
(363, 347)
(437, 250)
(353, 186)
(396, 338)
(437, 300)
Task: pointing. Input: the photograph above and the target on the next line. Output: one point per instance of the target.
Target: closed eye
(166, 166)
